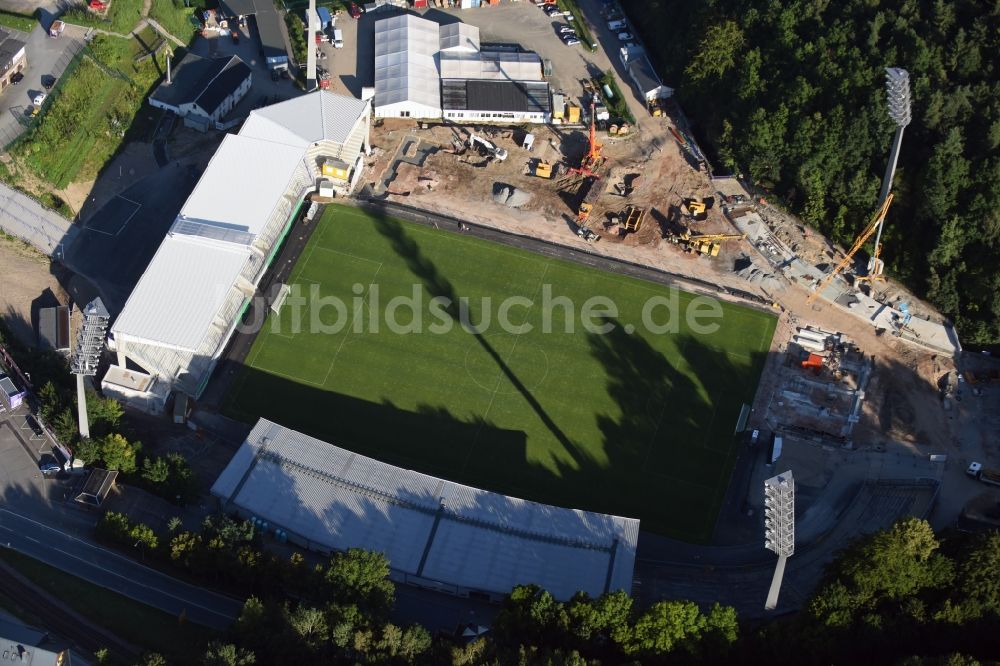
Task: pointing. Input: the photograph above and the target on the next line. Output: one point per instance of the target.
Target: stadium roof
(406, 69)
(181, 292)
(241, 185)
(304, 120)
(474, 95)
(426, 526)
(459, 37)
(495, 65)
(178, 299)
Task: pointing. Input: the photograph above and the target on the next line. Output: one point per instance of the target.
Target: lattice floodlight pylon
(86, 356)
(779, 514)
(897, 89)
(90, 339)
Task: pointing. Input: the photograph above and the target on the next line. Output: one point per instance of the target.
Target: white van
(338, 38)
(616, 25)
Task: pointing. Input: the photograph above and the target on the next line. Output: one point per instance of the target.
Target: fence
(19, 119)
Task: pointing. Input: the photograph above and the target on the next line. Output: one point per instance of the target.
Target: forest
(790, 94)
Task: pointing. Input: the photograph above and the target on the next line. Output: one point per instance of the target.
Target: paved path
(116, 572)
(23, 217)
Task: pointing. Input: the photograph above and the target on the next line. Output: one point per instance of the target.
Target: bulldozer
(543, 169)
(697, 208)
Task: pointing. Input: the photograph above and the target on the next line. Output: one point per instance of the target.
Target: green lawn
(121, 17)
(137, 623)
(176, 18)
(634, 424)
(85, 120)
(17, 21)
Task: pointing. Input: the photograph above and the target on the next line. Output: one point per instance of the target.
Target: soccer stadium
(390, 344)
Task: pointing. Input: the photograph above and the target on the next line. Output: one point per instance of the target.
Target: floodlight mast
(89, 344)
(779, 528)
(897, 90)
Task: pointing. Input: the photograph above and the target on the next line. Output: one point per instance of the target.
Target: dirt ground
(28, 285)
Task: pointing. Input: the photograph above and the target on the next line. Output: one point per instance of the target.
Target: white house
(203, 90)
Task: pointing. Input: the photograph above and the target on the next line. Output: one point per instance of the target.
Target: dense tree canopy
(790, 93)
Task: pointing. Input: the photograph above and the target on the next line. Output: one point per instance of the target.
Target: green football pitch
(634, 419)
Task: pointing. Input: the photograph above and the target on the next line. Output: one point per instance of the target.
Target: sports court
(629, 422)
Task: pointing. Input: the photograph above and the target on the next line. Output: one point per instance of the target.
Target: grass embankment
(86, 118)
(121, 17)
(636, 422)
(136, 623)
(17, 21)
(178, 20)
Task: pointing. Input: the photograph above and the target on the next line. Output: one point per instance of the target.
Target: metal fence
(20, 119)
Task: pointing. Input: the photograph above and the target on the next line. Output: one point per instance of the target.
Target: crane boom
(859, 242)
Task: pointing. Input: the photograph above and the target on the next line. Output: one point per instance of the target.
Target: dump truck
(984, 474)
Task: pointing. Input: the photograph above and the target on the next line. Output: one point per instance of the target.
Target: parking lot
(23, 447)
(352, 67)
(47, 59)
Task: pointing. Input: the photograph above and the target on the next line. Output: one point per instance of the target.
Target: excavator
(859, 242)
(491, 149)
(706, 244)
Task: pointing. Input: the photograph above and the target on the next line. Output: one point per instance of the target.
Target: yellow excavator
(706, 244)
(859, 242)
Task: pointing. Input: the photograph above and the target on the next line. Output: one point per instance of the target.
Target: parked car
(39, 99)
(17, 78)
(625, 36)
(355, 10)
(570, 41)
(49, 468)
(551, 10)
(48, 82)
(566, 30)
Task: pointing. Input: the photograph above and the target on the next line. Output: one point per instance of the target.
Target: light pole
(89, 343)
(897, 92)
(779, 528)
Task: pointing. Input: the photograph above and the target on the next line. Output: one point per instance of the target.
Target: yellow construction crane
(859, 242)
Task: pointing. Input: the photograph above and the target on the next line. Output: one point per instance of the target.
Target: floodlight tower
(89, 343)
(897, 92)
(779, 527)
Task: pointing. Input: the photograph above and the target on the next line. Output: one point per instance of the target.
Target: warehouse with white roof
(435, 533)
(426, 70)
(185, 307)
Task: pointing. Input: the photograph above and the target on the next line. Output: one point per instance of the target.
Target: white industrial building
(185, 307)
(426, 70)
(435, 533)
(406, 72)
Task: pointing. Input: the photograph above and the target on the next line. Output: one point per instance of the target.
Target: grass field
(88, 114)
(637, 424)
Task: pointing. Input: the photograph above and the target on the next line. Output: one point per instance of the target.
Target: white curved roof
(426, 526)
(406, 68)
(301, 121)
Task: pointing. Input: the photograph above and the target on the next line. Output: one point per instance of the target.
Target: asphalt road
(116, 572)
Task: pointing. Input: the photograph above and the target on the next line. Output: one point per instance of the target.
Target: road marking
(169, 579)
